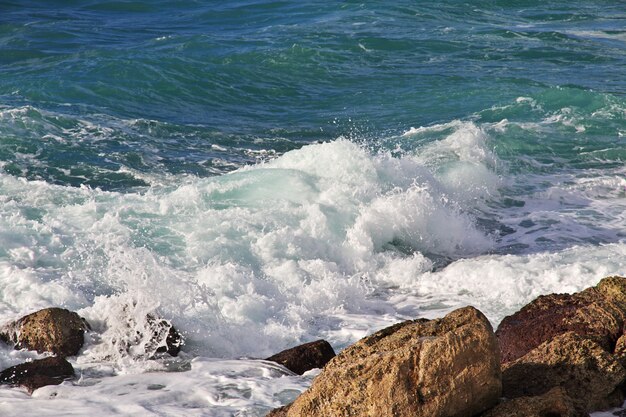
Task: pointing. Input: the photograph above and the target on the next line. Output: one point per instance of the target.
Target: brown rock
(279, 412)
(38, 373)
(590, 375)
(444, 367)
(305, 357)
(620, 349)
(53, 330)
(598, 313)
(554, 403)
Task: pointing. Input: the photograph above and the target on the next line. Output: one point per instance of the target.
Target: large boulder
(38, 373)
(598, 313)
(575, 341)
(53, 330)
(590, 375)
(305, 357)
(444, 367)
(554, 403)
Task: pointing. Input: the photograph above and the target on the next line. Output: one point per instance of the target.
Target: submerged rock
(54, 330)
(444, 367)
(305, 357)
(554, 403)
(598, 313)
(38, 373)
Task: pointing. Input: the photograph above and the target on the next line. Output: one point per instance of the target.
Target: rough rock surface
(279, 412)
(444, 367)
(305, 357)
(38, 373)
(554, 403)
(598, 313)
(590, 375)
(53, 330)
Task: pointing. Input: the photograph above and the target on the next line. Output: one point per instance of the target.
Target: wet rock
(164, 330)
(38, 373)
(174, 341)
(598, 313)
(554, 403)
(305, 357)
(54, 330)
(591, 376)
(444, 367)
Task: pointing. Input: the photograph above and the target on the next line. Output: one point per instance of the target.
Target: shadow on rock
(38, 373)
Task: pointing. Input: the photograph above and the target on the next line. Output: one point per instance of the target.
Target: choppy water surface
(267, 173)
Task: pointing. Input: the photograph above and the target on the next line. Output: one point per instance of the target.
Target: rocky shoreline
(561, 355)
(61, 332)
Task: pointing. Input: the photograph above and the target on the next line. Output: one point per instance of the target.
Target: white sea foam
(327, 241)
(597, 34)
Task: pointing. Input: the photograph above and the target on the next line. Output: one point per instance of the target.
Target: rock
(38, 373)
(174, 341)
(129, 331)
(590, 375)
(163, 329)
(554, 403)
(620, 349)
(444, 367)
(598, 313)
(305, 357)
(54, 330)
(279, 412)
(575, 341)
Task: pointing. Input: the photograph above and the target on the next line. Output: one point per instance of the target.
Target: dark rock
(591, 376)
(598, 313)
(554, 403)
(145, 336)
(38, 373)
(54, 330)
(305, 357)
(420, 368)
(174, 342)
(163, 329)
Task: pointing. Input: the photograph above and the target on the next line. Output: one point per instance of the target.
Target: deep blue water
(160, 83)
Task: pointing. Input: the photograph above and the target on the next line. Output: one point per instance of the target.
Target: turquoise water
(161, 81)
(268, 173)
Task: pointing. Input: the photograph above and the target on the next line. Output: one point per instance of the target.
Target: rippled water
(267, 173)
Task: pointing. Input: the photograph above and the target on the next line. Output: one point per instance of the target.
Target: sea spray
(250, 173)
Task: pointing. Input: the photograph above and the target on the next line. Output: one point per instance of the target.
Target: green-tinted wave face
(562, 129)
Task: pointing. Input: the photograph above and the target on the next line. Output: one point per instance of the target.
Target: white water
(329, 241)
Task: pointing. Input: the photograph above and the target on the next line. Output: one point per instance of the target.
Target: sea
(262, 174)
